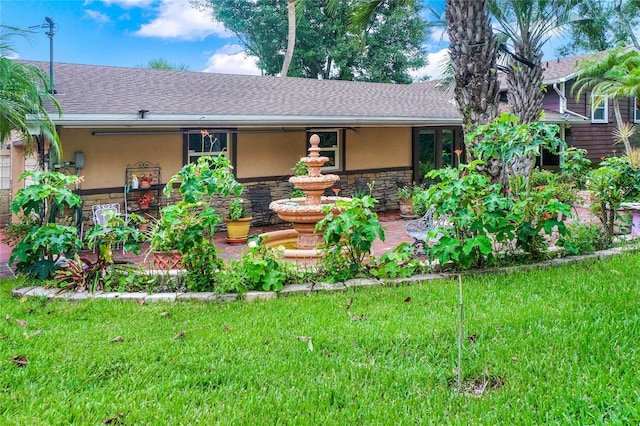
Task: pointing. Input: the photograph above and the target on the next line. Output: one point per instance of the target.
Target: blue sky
(129, 33)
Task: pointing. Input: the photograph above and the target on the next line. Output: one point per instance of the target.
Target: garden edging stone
(293, 289)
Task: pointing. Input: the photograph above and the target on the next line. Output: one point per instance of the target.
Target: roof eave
(173, 121)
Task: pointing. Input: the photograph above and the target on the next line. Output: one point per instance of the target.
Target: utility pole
(51, 25)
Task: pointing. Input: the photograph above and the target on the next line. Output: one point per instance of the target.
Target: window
(207, 142)
(329, 147)
(636, 110)
(599, 113)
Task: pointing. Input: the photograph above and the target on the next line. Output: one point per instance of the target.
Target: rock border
(303, 289)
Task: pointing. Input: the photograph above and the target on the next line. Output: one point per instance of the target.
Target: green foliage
(188, 225)
(48, 191)
(237, 209)
(397, 263)
(82, 274)
(583, 239)
(575, 166)
(203, 266)
(508, 140)
(475, 209)
(351, 224)
(128, 278)
(183, 226)
(39, 251)
(610, 25)
(262, 268)
(324, 44)
(482, 219)
(25, 92)
(115, 231)
(210, 175)
(613, 182)
(41, 241)
(300, 169)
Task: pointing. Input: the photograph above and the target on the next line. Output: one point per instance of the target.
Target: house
(115, 119)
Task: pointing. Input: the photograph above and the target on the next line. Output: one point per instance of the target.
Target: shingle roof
(565, 68)
(92, 89)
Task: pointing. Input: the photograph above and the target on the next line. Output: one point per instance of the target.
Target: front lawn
(553, 345)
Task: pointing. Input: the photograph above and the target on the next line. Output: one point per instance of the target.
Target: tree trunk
(619, 123)
(473, 48)
(291, 37)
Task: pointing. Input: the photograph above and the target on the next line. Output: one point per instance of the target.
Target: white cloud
(178, 19)
(99, 17)
(231, 59)
(434, 68)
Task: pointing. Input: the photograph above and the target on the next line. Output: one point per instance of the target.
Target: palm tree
(163, 64)
(528, 25)
(291, 37)
(472, 50)
(24, 94)
(616, 76)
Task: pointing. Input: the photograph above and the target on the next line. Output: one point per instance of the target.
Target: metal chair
(260, 196)
(101, 213)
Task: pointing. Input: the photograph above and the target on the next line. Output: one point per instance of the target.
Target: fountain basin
(286, 240)
(296, 210)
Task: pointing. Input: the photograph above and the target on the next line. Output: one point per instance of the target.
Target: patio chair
(419, 228)
(101, 213)
(260, 197)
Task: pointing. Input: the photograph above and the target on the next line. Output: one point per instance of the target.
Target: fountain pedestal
(305, 213)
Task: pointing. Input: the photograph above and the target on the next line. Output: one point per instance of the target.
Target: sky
(130, 33)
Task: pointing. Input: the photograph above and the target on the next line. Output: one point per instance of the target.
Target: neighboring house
(388, 133)
(592, 125)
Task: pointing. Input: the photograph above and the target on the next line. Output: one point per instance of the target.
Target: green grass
(562, 345)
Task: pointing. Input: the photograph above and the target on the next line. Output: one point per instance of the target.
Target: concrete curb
(305, 289)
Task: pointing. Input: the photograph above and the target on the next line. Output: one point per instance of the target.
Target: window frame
(604, 108)
(192, 156)
(636, 109)
(337, 149)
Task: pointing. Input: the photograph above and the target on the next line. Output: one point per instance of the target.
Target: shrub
(583, 239)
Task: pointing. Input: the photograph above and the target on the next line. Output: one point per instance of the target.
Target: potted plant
(238, 223)
(405, 197)
(186, 228)
(144, 200)
(145, 181)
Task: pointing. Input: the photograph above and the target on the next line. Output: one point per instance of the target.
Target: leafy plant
(237, 209)
(351, 224)
(300, 169)
(41, 240)
(514, 144)
(583, 239)
(261, 267)
(115, 231)
(203, 267)
(187, 225)
(613, 182)
(575, 166)
(397, 263)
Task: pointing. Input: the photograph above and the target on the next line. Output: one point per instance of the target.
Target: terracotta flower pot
(406, 207)
(167, 260)
(145, 184)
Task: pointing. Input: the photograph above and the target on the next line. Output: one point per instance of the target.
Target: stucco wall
(371, 148)
(269, 154)
(106, 157)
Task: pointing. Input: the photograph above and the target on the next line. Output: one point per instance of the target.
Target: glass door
(434, 149)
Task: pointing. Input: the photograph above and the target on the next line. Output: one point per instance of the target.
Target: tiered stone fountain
(301, 243)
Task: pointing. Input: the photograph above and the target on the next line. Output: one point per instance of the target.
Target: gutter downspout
(563, 102)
